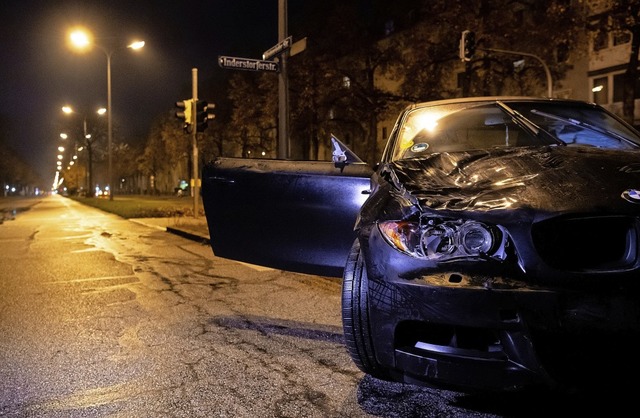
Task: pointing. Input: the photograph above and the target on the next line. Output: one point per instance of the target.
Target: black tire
(355, 314)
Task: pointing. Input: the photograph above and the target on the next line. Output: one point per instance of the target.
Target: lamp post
(59, 158)
(82, 40)
(86, 138)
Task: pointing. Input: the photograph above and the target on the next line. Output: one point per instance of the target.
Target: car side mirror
(342, 155)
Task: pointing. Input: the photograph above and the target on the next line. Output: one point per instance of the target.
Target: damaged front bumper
(466, 331)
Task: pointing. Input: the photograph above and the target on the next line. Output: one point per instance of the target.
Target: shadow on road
(269, 326)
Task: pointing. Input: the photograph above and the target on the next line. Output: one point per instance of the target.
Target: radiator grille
(607, 243)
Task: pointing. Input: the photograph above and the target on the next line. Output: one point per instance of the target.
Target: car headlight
(438, 239)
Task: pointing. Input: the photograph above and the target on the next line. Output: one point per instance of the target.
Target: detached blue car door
(290, 215)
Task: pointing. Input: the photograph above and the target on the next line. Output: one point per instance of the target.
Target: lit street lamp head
(136, 45)
(80, 39)
(69, 110)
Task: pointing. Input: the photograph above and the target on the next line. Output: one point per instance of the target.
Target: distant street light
(86, 140)
(82, 40)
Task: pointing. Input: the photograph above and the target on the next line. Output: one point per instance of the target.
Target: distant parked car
(495, 246)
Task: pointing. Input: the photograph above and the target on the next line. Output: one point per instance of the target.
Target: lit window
(600, 89)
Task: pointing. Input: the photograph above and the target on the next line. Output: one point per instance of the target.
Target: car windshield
(469, 126)
(579, 124)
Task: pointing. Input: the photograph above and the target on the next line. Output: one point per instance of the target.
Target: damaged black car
(494, 247)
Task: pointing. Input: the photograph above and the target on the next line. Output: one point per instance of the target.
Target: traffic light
(185, 113)
(202, 114)
(467, 45)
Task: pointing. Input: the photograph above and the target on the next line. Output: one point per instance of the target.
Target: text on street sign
(277, 49)
(237, 63)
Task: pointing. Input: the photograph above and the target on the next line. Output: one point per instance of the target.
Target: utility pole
(195, 187)
(87, 142)
(284, 147)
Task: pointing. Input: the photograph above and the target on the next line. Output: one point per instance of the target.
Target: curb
(188, 235)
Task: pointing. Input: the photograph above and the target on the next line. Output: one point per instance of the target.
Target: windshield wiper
(584, 125)
(525, 123)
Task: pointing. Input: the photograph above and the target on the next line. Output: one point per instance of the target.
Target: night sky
(39, 73)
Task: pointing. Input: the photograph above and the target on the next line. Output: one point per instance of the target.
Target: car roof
(479, 99)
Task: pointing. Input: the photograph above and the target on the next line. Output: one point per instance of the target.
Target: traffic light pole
(546, 68)
(194, 114)
(468, 47)
(195, 188)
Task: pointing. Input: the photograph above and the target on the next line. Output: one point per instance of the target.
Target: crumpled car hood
(552, 179)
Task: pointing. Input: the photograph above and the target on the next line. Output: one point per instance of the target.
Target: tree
(126, 166)
(252, 125)
(14, 170)
(338, 77)
(432, 47)
(166, 155)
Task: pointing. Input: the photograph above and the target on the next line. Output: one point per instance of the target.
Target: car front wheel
(355, 314)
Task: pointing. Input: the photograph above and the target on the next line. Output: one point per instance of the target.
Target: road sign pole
(283, 86)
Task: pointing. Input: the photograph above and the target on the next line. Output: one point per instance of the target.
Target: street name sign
(298, 47)
(248, 64)
(278, 48)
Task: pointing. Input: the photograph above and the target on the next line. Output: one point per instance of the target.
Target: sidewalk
(187, 226)
(192, 228)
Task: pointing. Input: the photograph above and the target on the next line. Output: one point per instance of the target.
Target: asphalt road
(101, 316)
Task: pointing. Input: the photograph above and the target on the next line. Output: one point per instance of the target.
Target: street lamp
(86, 140)
(82, 40)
